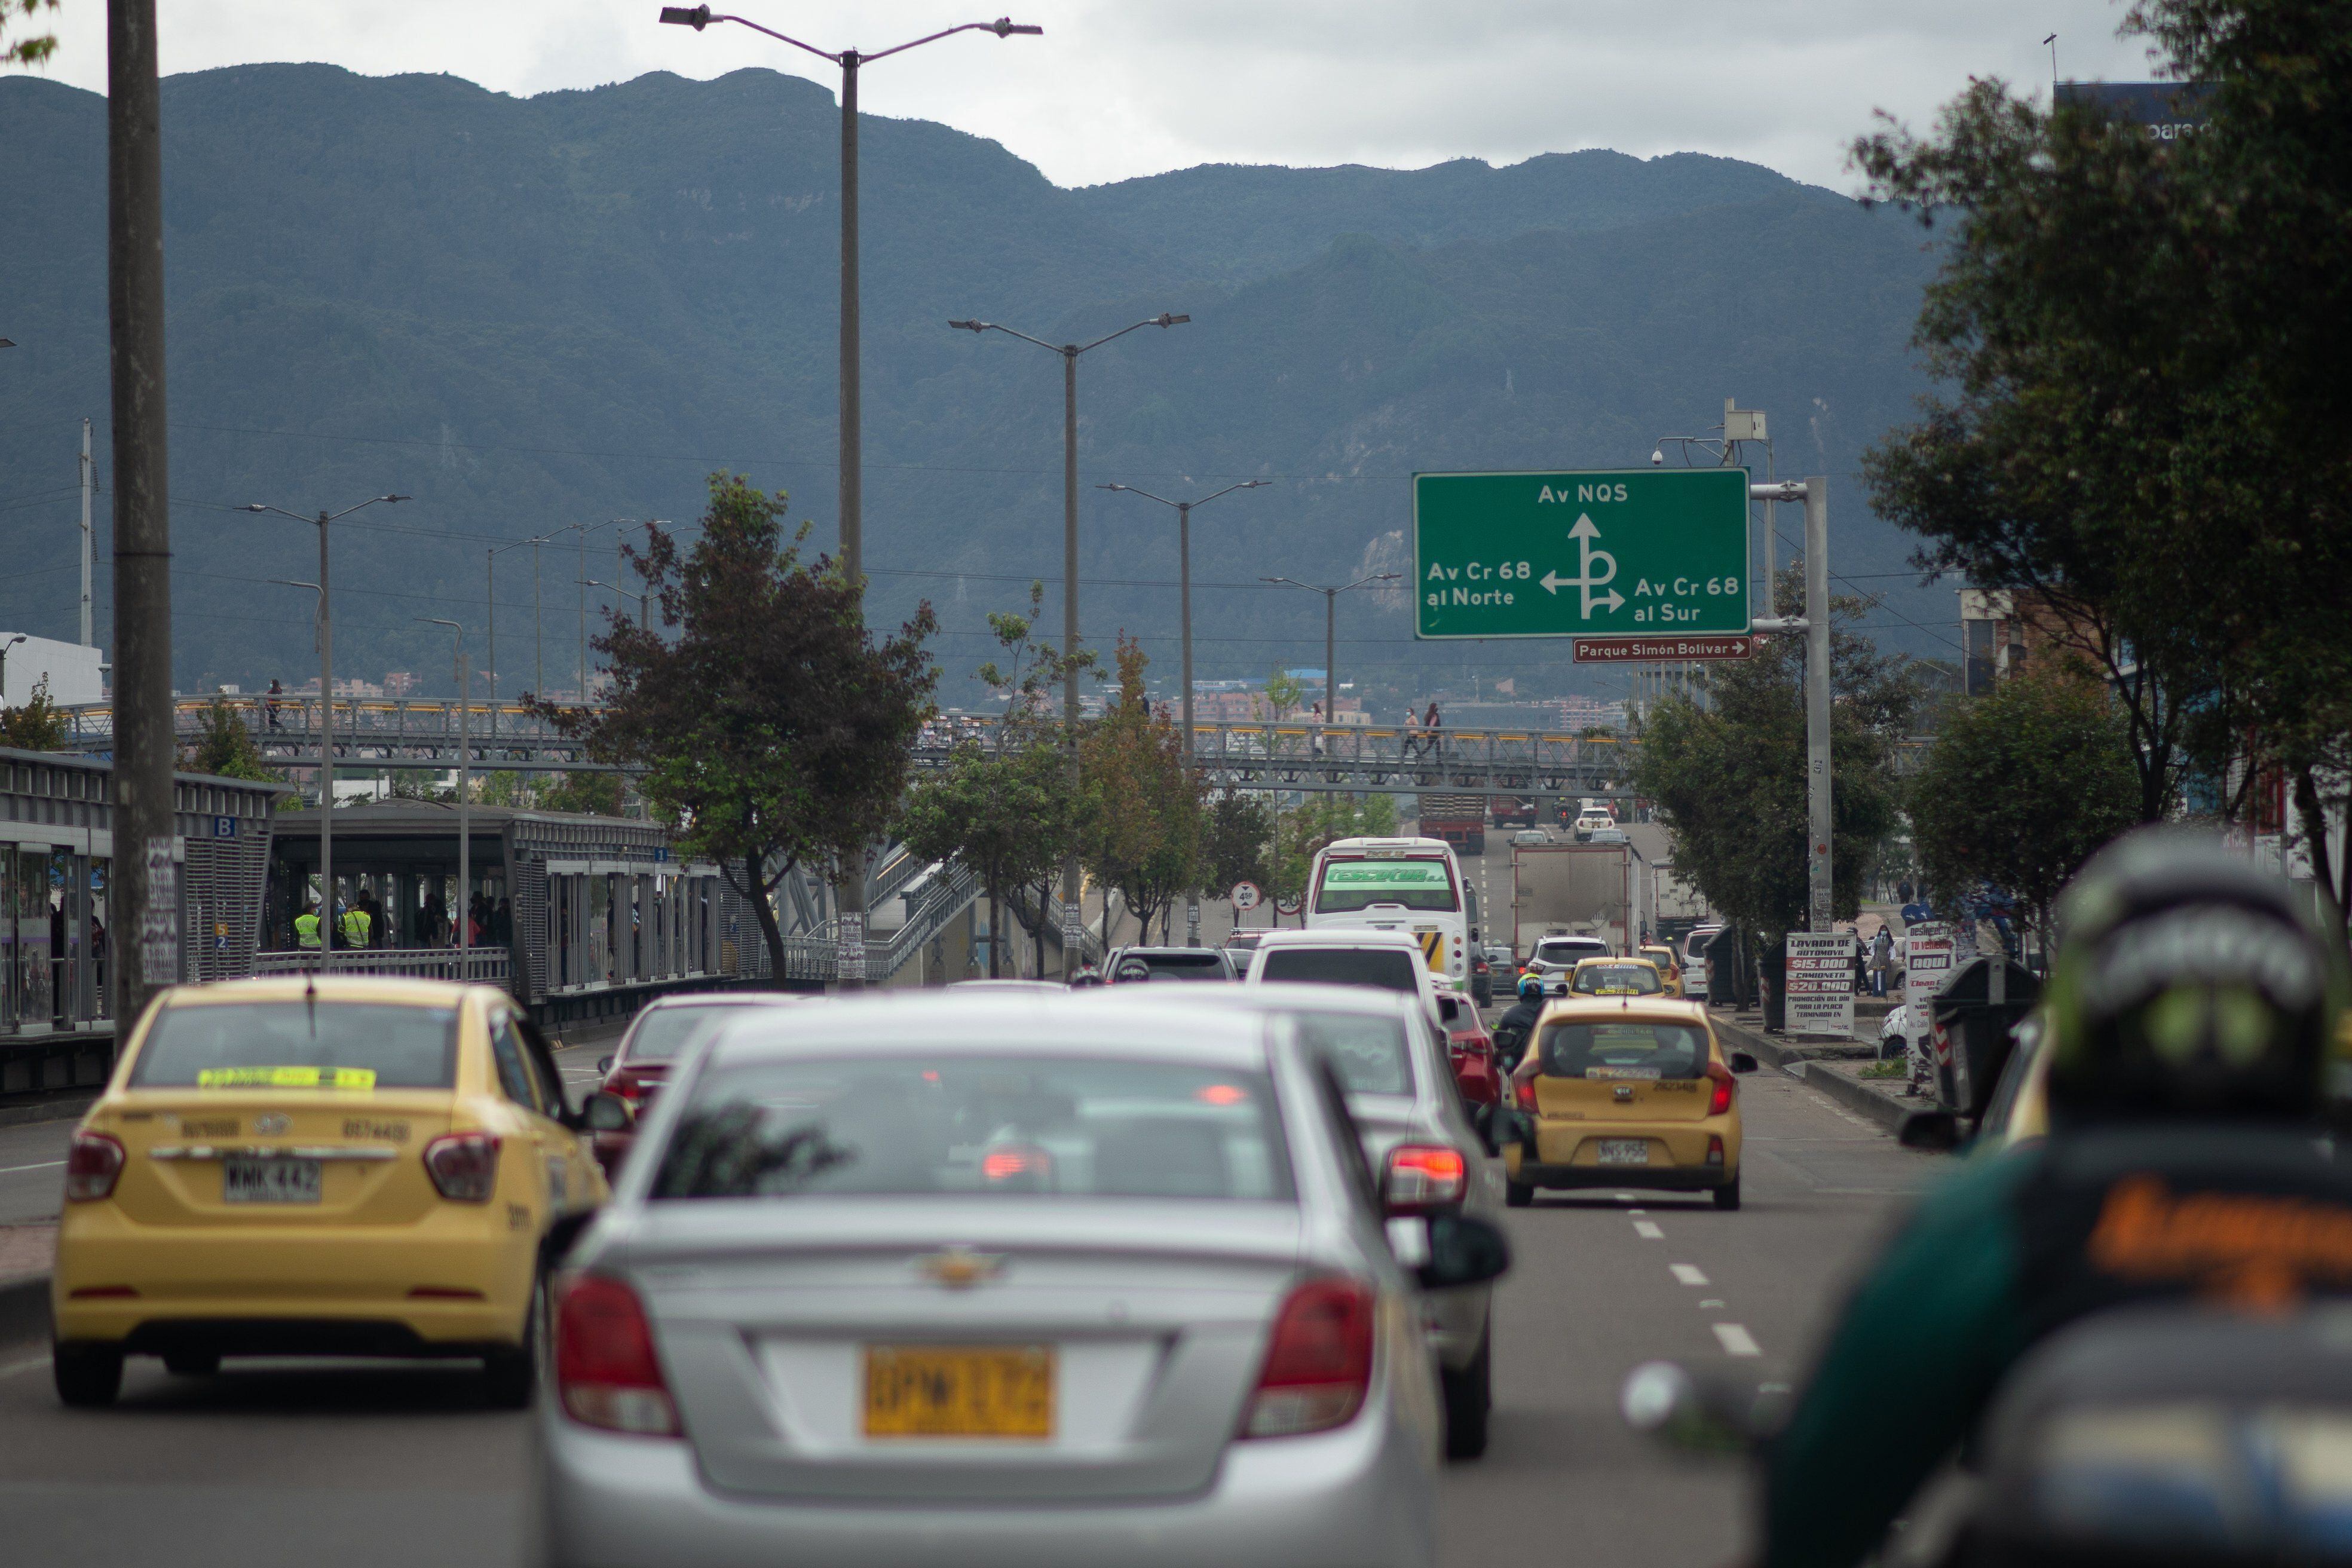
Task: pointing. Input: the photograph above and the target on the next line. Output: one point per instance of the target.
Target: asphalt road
(287, 1464)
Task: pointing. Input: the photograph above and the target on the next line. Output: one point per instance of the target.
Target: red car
(655, 1038)
(1471, 1049)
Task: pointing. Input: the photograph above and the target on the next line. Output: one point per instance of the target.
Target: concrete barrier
(1884, 1110)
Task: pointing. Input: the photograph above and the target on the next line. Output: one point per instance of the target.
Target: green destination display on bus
(1387, 874)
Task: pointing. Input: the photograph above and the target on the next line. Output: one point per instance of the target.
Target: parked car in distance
(996, 1279)
(654, 1040)
(1132, 966)
(1694, 955)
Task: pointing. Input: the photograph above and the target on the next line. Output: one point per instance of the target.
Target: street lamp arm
(1008, 331)
(1134, 490)
(1375, 577)
(1162, 319)
(1003, 28)
(1243, 485)
(699, 16)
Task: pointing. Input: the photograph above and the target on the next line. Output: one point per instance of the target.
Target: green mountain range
(567, 309)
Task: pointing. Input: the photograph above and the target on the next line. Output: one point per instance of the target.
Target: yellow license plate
(960, 1391)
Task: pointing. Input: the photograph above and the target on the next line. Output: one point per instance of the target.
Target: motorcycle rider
(2192, 1014)
(1512, 1029)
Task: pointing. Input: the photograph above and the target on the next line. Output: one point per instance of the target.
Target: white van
(1410, 885)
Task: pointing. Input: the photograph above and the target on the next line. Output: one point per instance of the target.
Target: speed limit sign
(1290, 906)
(1245, 896)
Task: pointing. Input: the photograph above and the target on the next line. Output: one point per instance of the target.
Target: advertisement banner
(1820, 981)
(1928, 956)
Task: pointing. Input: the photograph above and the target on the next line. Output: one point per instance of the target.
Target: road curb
(1884, 1110)
(69, 1108)
(24, 1311)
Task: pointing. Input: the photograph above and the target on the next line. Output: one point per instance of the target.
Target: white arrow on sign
(1584, 533)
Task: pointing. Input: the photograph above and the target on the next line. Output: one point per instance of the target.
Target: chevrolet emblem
(1624, 1092)
(960, 1267)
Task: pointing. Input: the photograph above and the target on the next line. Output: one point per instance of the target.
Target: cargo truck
(1459, 819)
(1576, 890)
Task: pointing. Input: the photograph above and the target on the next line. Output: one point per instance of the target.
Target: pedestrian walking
(1882, 960)
(269, 708)
(1411, 735)
(1431, 724)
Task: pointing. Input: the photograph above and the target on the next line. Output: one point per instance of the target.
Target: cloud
(1120, 87)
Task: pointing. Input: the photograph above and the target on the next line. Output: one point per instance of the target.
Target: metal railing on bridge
(479, 965)
(402, 733)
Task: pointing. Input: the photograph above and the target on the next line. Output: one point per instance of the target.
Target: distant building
(75, 673)
(400, 683)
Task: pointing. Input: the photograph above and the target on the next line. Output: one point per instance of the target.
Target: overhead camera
(1657, 457)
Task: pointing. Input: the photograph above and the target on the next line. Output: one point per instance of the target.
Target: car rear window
(664, 1032)
(1205, 965)
(1616, 980)
(1569, 952)
(1627, 1048)
(1368, 1054)
(334, 1045)
(1387, 968)
(1034, 1127)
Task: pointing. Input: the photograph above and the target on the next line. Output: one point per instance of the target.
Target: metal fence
(476, 966)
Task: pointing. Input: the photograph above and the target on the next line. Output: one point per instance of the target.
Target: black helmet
(2190, 984)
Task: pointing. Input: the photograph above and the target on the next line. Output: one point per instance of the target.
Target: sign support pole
(1817, 698)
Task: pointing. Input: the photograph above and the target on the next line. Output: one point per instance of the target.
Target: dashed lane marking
(1687, 1274)
(1710, 1302)
(44, 1165)
(1736, 1340)
(1648, 1231)
(10, 1369)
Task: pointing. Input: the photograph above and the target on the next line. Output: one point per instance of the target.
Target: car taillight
(1523, 1093)
(92, 1163)
(1318, 1360)
(464, 1166)
(606, 1369)
(1720, 1101)
(1425, 1176)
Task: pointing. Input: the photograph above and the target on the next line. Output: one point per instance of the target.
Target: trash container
(1971, 1031)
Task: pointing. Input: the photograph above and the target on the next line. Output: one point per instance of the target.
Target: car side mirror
(1742, 1061)
(1935, 1131)
(607, 1113)
(603, 1064)
(1464, 1250)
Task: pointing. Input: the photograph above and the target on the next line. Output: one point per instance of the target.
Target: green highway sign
(1607, 552)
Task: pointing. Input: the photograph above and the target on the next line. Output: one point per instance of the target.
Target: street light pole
(330, 922)
(1070, 352)
(851, 892)
(462, 912)
(1185, 614)
(490, 614)
(1330, 631)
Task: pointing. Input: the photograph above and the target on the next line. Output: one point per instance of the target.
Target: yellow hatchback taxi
(1616, 977)
(1669, 967)
(340, 1166)
(1626, 1092)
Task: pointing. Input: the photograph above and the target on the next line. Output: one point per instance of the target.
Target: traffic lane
(1598, 1287)
(267, 1464)
(33, 1169)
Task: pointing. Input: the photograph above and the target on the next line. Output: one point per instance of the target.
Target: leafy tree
(2019, 786)
(771, 728)
(1284, 693)
(1146, 807)
(590, 794)
(32, 51)
(2147, 420)
(225, 748)
(1304, 831)
(37, 725)
(1009, 811)
(1236, 843)
(1729, 779)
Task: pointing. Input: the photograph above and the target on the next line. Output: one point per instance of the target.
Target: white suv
(1348, 955)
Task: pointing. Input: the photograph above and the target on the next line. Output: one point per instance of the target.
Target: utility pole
(1814, 491)
(1072, 931)
(1330, 630)
(88, 538)
(461, 910)
(146, 876)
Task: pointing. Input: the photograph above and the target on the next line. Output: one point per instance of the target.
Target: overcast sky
(1118, 87)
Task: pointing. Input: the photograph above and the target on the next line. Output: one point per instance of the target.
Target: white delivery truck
(1576, 890)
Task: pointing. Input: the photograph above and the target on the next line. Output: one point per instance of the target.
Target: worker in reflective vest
(356, 926)
(306, 928)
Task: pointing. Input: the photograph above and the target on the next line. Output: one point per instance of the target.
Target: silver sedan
(983, 1279)
(1417, 1134)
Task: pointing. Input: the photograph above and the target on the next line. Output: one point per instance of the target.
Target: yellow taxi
(1669, 967)
(1626, 1092)
(1616, 977)
(343, 1165)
